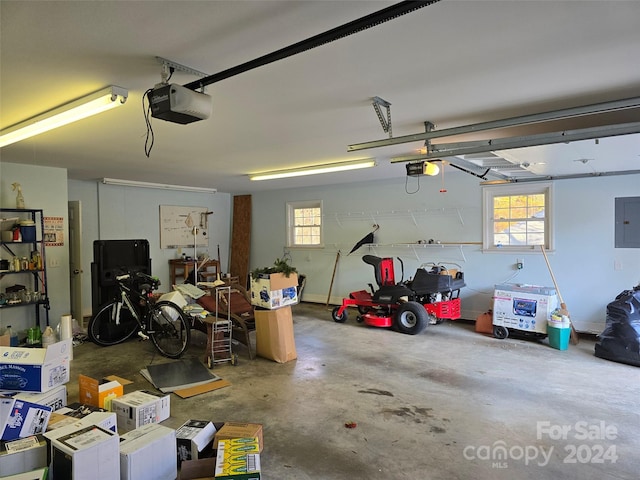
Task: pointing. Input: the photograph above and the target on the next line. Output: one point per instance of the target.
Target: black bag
(620, 340)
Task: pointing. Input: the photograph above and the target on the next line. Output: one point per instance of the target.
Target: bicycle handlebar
(155, 282)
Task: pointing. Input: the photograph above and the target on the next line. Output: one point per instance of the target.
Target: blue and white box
(35, 369)
(19, 419)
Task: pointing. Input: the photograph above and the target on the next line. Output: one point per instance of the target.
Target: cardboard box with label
(148, 453)
(96, 392)
(58, 423)
(523, 307)
(55, 398)
(35, 369)
(274, 290)
(140, 408)
(88, 452)
(23, 455)
(238, 459)
(274, 335)
(19, 419)
(232, 430)
(194, 439)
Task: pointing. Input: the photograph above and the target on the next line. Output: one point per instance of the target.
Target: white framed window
(517, 217)
(304, 224)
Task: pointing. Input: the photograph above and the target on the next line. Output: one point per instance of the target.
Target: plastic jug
(48, 337)
(13, 337)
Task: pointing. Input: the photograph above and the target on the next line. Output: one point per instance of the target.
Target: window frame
(291, 207)
(489, 192)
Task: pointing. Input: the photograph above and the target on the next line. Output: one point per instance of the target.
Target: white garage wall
(43, 188)
(112, 212)
(583, 262)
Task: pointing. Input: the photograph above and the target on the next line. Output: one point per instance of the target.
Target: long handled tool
(333, 276)
(563, 307)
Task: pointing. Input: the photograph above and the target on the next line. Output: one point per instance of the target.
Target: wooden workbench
(179, 269)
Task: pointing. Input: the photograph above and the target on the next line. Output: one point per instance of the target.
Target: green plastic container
(559, 336)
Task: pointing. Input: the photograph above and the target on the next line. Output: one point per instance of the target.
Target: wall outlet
(519, 264)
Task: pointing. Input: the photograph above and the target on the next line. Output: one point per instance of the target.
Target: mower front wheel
(411, 318)
(339, 318)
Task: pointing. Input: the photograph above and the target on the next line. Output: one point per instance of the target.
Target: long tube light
(160, 186)
(314, 170)
(97, 102)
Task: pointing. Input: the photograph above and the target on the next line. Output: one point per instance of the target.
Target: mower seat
(383, 269)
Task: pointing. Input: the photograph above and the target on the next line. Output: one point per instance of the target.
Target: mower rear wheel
(339, 318)
(411, 318)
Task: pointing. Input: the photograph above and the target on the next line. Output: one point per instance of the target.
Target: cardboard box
(523, 307)
(88, 452)
(148, 453)
(140, 408)
(38, 474)
(96, 392)
(57, 422)
(202, 469)
(231, 430)
(193, 439)
(275, 290)
(5, 340)
(55, 398)
(35, 369)
(77, 411)
(23, 455)
(274, 335)
(19, 419)
(238, 459)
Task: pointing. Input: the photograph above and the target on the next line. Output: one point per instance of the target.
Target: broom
(563, 306)
(335, 265)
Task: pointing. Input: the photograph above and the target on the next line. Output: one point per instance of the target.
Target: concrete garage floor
(446, 404)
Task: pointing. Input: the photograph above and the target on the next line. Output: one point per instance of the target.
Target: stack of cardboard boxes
(32, 385)
(109, 434)
(273, 294)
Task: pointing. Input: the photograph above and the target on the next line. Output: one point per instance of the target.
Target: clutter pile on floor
(108, 434)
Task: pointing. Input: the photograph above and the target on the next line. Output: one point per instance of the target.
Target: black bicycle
(134, 310)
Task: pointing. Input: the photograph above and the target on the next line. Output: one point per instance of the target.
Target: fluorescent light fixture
(160, 186)
(100, 101)
(314, 170)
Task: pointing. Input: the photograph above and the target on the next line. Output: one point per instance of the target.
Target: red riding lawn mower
(432, 296)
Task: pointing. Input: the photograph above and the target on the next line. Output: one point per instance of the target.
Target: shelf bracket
(378, 104)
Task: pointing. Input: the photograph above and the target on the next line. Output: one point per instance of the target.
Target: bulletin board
(177, 226)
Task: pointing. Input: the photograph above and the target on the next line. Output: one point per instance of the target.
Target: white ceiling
(452, 63)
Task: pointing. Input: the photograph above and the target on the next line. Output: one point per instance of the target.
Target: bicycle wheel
(168, 329)
(113, 324)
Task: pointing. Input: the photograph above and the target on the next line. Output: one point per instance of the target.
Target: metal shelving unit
(37, 276)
